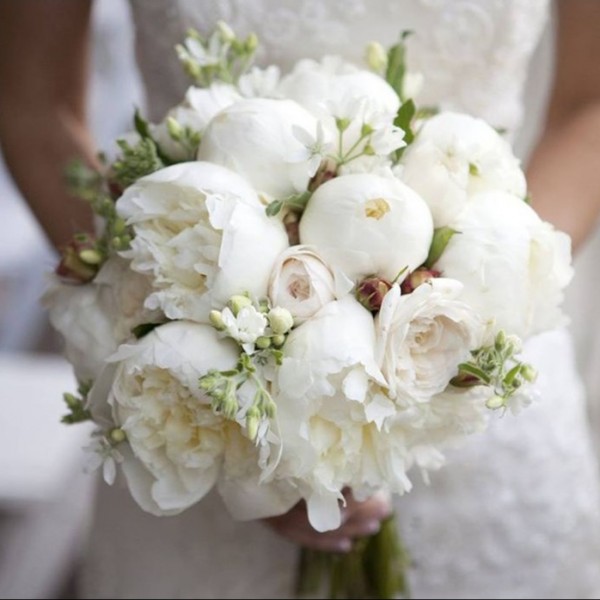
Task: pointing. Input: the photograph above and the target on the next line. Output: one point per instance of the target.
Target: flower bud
(371, 291)
(416, 278)
(227, 34)
(377, 57)
(117, 435)
(528, 373)
(280, 320)
(278, 340)
(216, 320)
(252, 422)
(91, 256)
(495, 402)
(174, 128)
(237, 302)
(71, 400)
(252, 42)
(263, 342)
(80, 260)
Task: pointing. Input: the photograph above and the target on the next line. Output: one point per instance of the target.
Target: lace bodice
(474, 54)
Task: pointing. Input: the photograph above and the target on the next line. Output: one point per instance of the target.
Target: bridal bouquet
(302, 284)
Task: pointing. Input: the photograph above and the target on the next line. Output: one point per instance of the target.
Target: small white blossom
(103, 455)
(246, 327)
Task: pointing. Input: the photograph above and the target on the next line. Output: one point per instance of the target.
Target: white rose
(202, 235)
(95, 318)
(255, 138)
(315, 84)
(514, 267)
(422, 337)
(455, 156)
(177, 441)
(366, 224)
(199, 106)
(302, 283)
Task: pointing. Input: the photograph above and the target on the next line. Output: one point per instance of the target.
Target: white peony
(321, 390)
(302, 283)
(202, 235)
(333, 80)
(423, 336)
(366, 224)
(514, 266)
(455, 156)
(255, 138)
(177, 442)
(199, 106)
(335, 90)
(95, 318)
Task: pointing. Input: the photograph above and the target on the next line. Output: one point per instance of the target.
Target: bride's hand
(359, 519)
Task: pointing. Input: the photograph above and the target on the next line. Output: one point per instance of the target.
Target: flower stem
(374, 568)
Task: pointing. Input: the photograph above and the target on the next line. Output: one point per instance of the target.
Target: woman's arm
(43, 79)
(564, 173)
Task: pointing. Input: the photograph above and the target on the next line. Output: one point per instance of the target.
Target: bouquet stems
(375, 568)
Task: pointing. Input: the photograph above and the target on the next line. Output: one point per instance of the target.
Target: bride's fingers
(377, 507)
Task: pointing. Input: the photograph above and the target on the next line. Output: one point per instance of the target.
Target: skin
(42, 99)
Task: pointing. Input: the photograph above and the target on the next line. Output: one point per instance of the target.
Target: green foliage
(78, 413)
(136, 161)
(222, 56)
(496, 367)
(441, 238)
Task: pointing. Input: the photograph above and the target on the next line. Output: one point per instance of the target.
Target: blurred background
(45, 496)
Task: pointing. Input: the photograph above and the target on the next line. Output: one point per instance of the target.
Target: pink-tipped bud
(416, 278)
(80, 260)
(371, 291)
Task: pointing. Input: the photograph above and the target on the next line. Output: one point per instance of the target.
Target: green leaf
(274, 208)
(141, 125)
(441, 238)
(471, 369)
(527, 198)
(396, 67)
(404, 118)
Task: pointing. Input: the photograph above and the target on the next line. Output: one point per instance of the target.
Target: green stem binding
(375, 568)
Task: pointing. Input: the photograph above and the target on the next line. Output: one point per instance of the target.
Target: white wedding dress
(516, 512)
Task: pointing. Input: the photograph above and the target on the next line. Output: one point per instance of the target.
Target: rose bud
(371, 291)
(417, 277)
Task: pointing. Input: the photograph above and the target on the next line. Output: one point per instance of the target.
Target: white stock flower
(202, 235)
(96, 317)
(302, 283)
(514, 266)
(246, 327)
(366, 224)
(199, 106)
(423, 336)
(455, 156)
(176, 441)
(255, 138)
